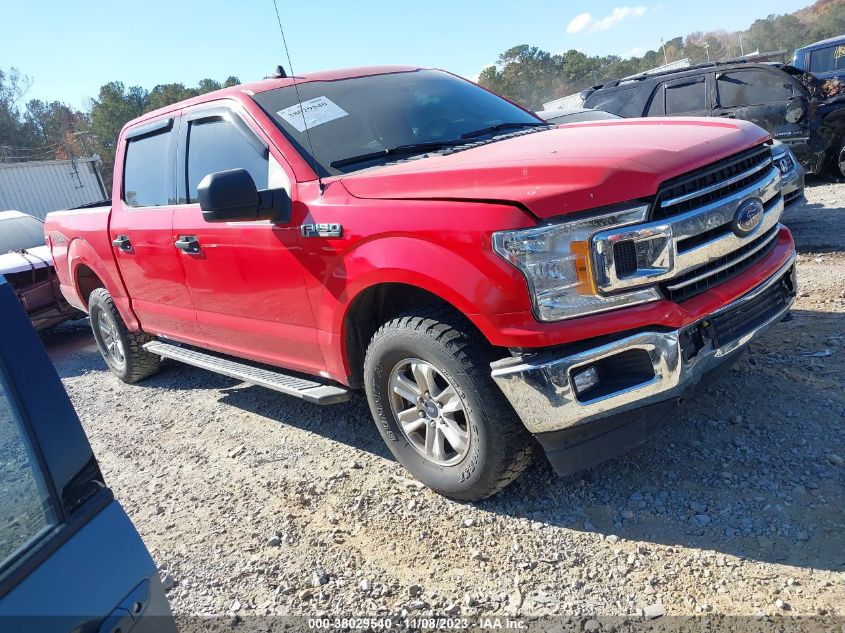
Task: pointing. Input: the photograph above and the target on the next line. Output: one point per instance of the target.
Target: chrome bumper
(540, 386)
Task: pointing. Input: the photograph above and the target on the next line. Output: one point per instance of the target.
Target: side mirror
(795, 110)
(231, 196)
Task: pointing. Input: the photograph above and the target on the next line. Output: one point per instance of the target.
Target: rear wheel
(429, 388)
(121, 349)
(839, 161)
(836, 158)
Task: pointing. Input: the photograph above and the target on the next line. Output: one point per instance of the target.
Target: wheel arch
(88, 272)
(831, 133)
(404, 272)
(377, 304)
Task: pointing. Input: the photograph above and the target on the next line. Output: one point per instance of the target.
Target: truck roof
(264, 85)
(692, 70)
(839, 39)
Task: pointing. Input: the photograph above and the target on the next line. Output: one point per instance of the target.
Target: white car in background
(27, 265)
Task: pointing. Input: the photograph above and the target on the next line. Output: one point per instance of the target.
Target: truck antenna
(316, 165)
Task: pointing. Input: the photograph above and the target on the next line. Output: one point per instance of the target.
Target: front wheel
(429, 388)
(121, 349)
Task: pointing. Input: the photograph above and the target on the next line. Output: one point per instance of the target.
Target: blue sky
(70, 48)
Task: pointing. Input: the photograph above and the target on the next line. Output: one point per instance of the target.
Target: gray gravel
(253, 503)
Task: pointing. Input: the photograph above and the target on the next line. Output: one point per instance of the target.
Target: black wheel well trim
(87, 281)
(376, 305)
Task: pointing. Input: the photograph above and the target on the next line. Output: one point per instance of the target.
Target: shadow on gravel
(743, 470)
(750, 467)
(349, 423)
(816, 227)
(71, 347)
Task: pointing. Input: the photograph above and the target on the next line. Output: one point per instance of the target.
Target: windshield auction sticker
(312, 113)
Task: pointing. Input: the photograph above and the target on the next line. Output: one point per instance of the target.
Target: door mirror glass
(231, 196)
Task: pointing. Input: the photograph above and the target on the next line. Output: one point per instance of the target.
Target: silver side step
(309, 390)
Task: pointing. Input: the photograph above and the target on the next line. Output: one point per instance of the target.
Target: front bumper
(642, 369)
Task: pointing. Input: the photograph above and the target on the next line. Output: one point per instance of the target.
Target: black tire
(137, 363)
(499, 446)
(836, 165)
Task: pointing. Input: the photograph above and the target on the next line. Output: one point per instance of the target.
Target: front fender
(476, 281)
(472, 279)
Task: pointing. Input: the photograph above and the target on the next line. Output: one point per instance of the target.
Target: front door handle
(188, 244)
(122, 242)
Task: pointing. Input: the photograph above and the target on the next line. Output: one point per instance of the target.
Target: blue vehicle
(825, 59)
(70, 558)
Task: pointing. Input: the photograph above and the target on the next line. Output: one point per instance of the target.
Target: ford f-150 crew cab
(491, 281)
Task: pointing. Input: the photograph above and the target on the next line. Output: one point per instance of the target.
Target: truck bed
(81, 234)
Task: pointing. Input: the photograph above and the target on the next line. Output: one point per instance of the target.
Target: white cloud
(588, 23)
(580, 22)
(637, 51)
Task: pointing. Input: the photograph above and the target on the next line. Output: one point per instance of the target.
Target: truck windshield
(365, 121)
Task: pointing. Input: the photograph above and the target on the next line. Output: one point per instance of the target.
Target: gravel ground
(253, 503)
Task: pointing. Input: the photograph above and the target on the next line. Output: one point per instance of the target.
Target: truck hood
(566, 169)
(27, 259)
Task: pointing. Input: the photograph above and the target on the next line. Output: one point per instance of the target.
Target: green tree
(17, 140)
(110, 111)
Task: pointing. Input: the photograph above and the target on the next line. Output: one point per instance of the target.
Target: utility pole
(741, 49)
(707, 49)
(663, 44)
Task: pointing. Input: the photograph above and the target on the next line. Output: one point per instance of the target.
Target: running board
(308, 390)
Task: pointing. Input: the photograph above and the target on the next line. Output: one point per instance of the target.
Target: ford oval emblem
(749, 215)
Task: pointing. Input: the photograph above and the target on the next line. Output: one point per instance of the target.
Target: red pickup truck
(491, 281)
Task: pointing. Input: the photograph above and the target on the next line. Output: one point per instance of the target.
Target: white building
(565, 103)
(40, 187)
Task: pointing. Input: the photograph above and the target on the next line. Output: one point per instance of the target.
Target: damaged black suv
(795, 107)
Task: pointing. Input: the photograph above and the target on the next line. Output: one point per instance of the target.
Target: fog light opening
(585, 379)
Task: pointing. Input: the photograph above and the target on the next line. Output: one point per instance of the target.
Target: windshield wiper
(501, 126)
(401, 150)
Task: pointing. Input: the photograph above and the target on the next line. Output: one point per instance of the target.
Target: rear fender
(81, 253)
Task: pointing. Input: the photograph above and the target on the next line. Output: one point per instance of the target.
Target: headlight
(783, 158)
(557, 265)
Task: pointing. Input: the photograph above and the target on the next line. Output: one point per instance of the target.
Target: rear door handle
(188, 244)
(122, 242)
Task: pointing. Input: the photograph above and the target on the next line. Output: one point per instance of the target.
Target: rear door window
(217, 144)
(147, 171)
(751, 87)
(828, 59)
(686, 95)
(27, 512)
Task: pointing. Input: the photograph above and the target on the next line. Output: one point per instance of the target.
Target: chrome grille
(719, 270)
(715, 181)
(690, 244)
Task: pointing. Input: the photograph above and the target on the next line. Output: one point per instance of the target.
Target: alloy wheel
(430, 412)
(111, 340)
